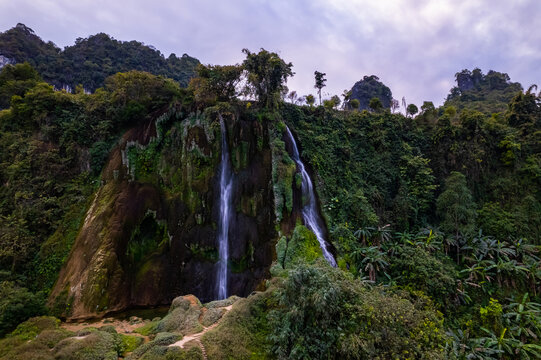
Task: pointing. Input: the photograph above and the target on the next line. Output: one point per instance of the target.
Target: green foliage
(354, 103)
(355, 155)
(140, 92)
(215, 83)
(130, 343)
(283, 174)
(146, 239)
(375, 104)
(16, 80)
(243, 332)
(310, 100)
(412, 109)
(323, 313)
(16, 305)
(147, 329)
(29, 329)
(417, 269)
(103, 56)
(302, 247)
(455, 205)
(267, 74)
(488, 93)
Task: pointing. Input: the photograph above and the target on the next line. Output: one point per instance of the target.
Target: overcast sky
(414, 46)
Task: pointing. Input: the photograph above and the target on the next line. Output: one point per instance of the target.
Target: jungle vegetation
(435, 216)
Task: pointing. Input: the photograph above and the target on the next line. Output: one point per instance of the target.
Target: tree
(328, 104)
(375, 104)
(456, 208)
(320, 83)
(292, 96)
(336, 100)
(310, 99)
(222, 80)
(15, 241)
(16, 80)
(267, 75)
(412, 110)
(347, 96)
(417, 186)
(354, 104)
(394, 105)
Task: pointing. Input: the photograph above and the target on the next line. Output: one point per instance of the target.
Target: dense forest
(434, 216)
(91, 60)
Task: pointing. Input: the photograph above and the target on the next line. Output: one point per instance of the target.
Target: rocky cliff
(150, 232)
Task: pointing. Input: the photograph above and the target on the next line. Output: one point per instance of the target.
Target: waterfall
(310, 213)
(226, 187)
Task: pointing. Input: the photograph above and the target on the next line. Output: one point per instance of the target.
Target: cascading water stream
(226, 187)
(310, 212)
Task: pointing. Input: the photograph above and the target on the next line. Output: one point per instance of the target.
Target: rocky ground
(175, 336)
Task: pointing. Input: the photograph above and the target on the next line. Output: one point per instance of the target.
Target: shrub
(16, 305)
(324, 313)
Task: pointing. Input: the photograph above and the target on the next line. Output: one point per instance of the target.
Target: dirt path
(197, 337)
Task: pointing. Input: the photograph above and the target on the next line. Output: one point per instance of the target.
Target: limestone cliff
(150, 233)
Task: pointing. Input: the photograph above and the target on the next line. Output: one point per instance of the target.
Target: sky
(414, 46)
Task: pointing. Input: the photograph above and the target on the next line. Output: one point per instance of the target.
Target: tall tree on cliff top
(320, 83)
(267, 75)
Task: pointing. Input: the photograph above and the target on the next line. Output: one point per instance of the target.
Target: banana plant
(373, 262)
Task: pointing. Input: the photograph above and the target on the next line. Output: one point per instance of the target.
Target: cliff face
(150, 233)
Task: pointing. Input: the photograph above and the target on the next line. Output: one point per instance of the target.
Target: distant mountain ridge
(90, 60)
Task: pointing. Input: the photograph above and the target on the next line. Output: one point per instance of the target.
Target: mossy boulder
(302, 247)
(97, 345)
(155, 349)
(183, 316)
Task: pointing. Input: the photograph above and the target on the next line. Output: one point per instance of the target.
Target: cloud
(415, 46)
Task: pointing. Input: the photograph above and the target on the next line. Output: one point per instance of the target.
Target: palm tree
(347, 96)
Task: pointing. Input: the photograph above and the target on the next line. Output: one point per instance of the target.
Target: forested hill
(91, 60)
(488, 93)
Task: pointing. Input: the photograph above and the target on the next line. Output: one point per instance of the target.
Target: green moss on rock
(303, 246)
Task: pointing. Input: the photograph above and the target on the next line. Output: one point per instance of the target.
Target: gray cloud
(415, 47)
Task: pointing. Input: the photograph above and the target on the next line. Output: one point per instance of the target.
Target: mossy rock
(222, 303)
(33, 340)
(130, 343)
(97, 345)
(183, 316)
(303, 246)
(50, 338)
(189, 353)
(242, 333)
(32, 327)
(156, 349)
(184, 302)
(212, 316)
(147, 329)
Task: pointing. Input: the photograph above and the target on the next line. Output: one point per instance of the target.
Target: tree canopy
(267, 75)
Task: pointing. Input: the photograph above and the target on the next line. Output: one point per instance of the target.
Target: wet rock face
(150, 234)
